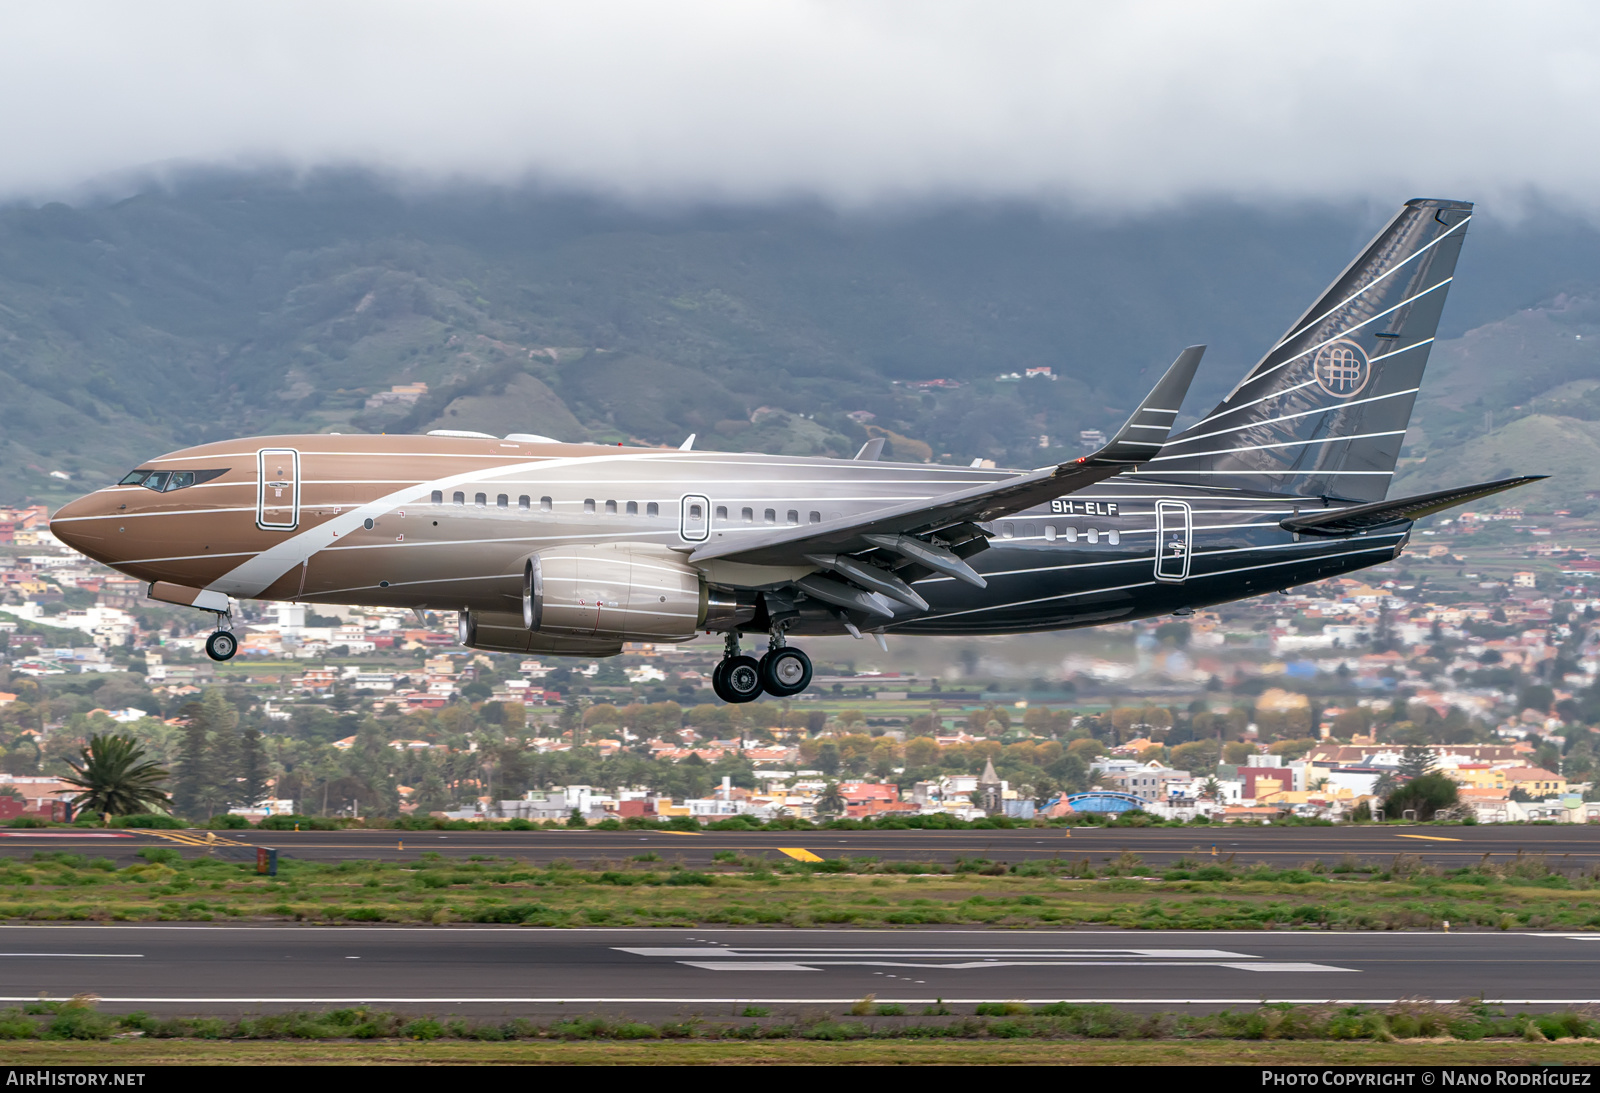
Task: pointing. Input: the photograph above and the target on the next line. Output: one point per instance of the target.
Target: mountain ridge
(233, 304)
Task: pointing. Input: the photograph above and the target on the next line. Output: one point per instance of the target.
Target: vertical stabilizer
(1325, 411)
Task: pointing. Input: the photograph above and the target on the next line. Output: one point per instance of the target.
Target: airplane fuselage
(447, 522)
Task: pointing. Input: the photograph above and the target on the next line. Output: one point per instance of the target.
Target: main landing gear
(221, 645)
(783, 672)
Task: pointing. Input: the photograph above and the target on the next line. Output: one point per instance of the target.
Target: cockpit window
(167, 481)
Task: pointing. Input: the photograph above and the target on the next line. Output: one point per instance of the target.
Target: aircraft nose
(73, 523)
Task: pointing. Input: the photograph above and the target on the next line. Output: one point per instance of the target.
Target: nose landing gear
(221, 645)
(782, 672)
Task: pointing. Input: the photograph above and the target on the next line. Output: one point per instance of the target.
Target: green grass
(798, 1053)
(768, 891)
(75, 1032)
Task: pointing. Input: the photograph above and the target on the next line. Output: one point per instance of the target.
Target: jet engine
(623, 592)
(588, 600)
(620, 591)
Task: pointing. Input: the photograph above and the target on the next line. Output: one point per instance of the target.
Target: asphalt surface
(224, 969)
(1568, 847)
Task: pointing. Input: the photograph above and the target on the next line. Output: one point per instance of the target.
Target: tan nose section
(68, 526)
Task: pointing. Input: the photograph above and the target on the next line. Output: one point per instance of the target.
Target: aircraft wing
(904, 525)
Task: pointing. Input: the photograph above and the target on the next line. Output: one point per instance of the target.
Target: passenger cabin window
(793, 517)
(1008, 531)
(771, 516)
(1072, 535)
(546, 505)
(652, 509)
(722, 512)
(747, 515)
(480, 499)
(611, 508)
(1114, 536)
(167, 481)
(524, 503)
(1027, 531)
(438, 497)
(1049, 533)
(502, 502)
(588, 505)
(1093, 535)
(633, 508)
(459, 498)
(696, 512)
(816, 517)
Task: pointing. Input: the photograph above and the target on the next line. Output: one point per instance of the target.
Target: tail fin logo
(1342, 369)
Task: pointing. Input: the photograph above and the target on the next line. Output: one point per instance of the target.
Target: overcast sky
(1118, 105)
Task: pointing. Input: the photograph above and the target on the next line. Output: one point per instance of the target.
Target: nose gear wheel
(222, 645)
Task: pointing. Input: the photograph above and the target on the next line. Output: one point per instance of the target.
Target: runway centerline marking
(1430, 838)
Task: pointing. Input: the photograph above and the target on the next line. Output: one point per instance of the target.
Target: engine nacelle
(503, 632)
(613, 591)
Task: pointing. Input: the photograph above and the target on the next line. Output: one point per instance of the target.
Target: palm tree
(831, 802)
(116, 778)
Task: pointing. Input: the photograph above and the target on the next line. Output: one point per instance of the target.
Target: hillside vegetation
(237, 304)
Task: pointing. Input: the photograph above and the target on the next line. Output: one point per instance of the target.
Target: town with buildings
(1475, 655)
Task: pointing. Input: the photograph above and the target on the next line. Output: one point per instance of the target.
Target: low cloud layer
(1118, 106)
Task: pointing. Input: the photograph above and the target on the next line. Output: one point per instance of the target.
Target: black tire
(716, 679)
(741, 679)
(222, 645)
(785, 672)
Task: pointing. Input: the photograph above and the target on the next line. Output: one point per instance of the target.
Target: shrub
(424, 1029)
(161, 855)
(149, 820)
(227, 821)
(1426, 794)
(304, 823)
(687, 878)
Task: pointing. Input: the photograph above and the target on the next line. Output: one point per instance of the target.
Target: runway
(1569, 847)
(228, 969)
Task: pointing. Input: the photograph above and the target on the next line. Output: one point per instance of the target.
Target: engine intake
(614, 591)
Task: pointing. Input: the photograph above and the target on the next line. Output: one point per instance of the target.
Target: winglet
(1140, 439)
(688, 445)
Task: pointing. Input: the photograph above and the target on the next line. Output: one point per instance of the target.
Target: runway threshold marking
(803, 959)
(798, 853)
(184, 838)
(1430, 838)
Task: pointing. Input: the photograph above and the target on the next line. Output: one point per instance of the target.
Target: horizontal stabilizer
(1348, 521)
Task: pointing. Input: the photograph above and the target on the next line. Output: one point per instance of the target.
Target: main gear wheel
(737, 679)
(785, 671)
